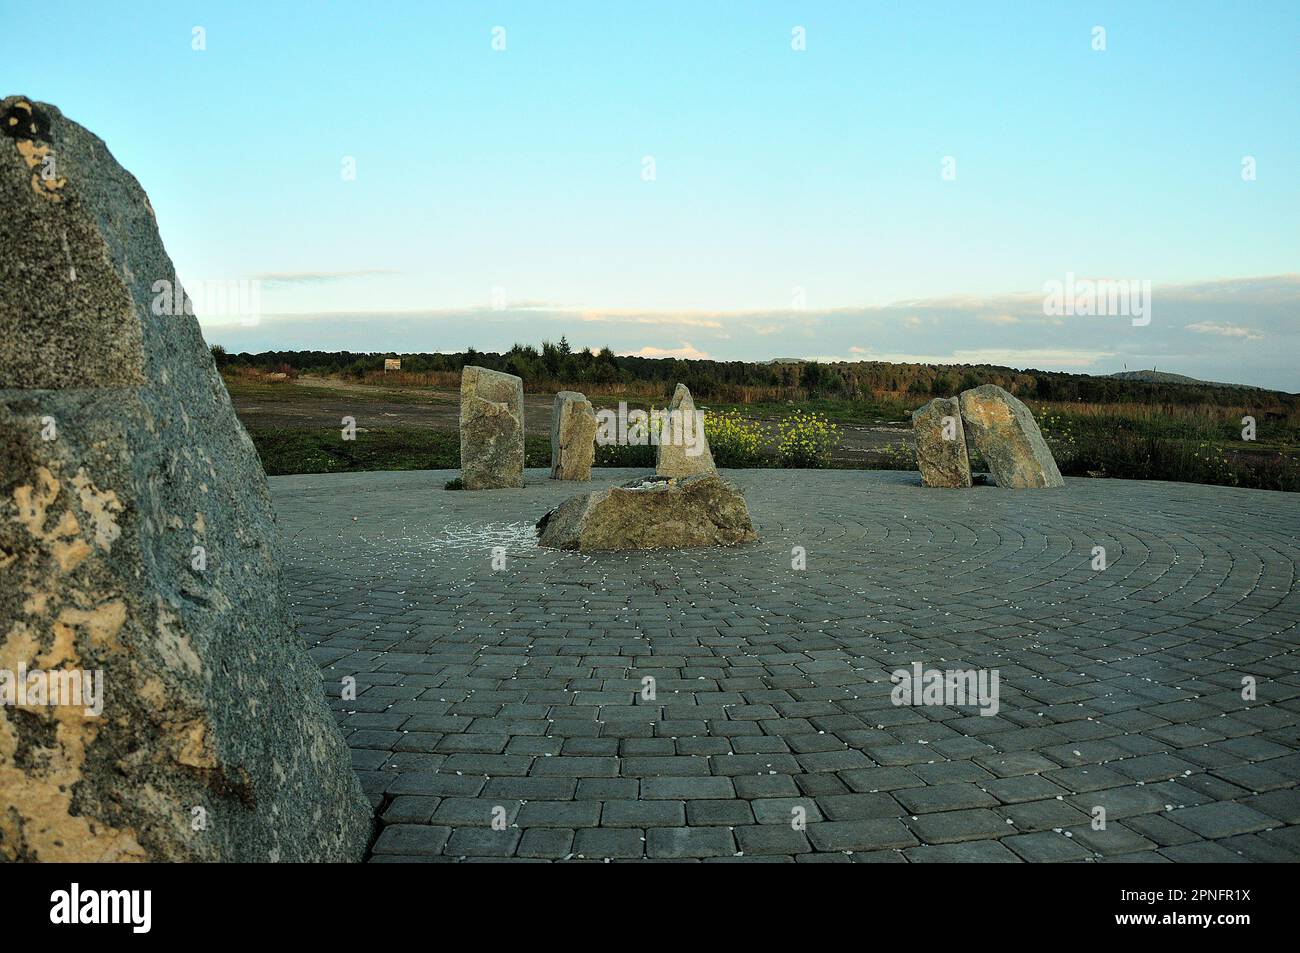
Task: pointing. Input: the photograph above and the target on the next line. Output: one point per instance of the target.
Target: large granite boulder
(653, 513)
(573, 437)
(1007, 437)
(139, 561)
(683, 449)
(491, 429)
(941, 443)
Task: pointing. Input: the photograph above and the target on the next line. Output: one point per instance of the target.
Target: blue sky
(798, 206)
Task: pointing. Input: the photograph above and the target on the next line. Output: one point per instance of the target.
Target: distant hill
(1164, 377)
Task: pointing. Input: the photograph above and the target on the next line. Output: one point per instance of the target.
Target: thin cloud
(668, 318)
(1225, 330)
(317, 277)
(686, 352)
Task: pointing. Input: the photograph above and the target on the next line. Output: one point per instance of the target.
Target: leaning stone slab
(1007, 437)
(169, 711)
(491, 429)
(573, 437)
(654, 513)
(941, 443)
(683, 450)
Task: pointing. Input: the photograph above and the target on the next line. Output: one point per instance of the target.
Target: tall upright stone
(683, 449)
(941, 443)
(573, 437)
(139, 560)
(491, 429)
(1006, 435)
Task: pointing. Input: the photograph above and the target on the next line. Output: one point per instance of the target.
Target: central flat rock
(651, 513)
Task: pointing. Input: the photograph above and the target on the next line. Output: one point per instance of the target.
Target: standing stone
(573, 437)
(1008, 438)
(138, 552)
(941, 443)
(683, 449)
(491, 429)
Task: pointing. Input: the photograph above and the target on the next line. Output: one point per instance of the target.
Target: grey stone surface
(491, 429)
(683, 449)
(1006, 435)
(119, 455)
(941, 444)
(651, 513)
(762, 673)
(573, 437)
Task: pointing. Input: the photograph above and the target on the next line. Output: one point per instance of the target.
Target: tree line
(557, 364)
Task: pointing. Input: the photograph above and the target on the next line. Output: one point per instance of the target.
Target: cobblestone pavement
(517, 694)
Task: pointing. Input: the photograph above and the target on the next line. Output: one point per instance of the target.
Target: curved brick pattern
(519, 690)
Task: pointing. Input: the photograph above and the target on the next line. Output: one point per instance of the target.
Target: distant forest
(557, 364)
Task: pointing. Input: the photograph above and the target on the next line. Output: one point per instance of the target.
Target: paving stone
(595, 842)
(473, 811)
(874, 834)
(412, 839)
(1283, 805)
(570, 814)
(950, 826)
(643, 814)
(767, 785)
(1202, 852)
(524, 685)
(771, 839)
(1223, 819)
(550, 843)
(690, 842)
(731, 813)
(1046, 847)
(944, 797)
(780, 810)
(970, 852)
(853, 807)
(1114, 839)
(1027, 787)
(483, 842)
(683, 789)
(1043, 815)
(410, 809)
(1160, 830)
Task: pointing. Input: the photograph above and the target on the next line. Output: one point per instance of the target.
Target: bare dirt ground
(324, 401)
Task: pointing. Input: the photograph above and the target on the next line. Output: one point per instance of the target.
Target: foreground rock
(1007, 437)
(941, 443)
(573, 437)
(491, 429)
(654, 513)
(683, 449)
(139, 563)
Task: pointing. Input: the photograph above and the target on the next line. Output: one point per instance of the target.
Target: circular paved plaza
(514, 702)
